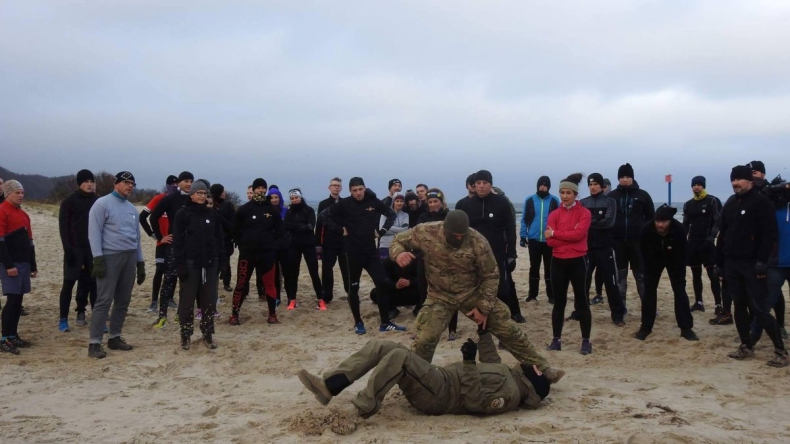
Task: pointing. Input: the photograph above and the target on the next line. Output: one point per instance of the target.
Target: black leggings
(371, 263)
(11, 313)
(86, 290)
(573, 272)
(157, 284)
(294, 262)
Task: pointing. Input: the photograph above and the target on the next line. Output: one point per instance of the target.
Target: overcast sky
(298, 92)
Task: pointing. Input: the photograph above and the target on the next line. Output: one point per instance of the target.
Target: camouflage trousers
(435, 316)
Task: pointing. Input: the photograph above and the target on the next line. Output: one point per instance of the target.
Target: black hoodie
(634, 208)
(257, 225)
(663, 250)
(361, 219)
(73, 219)
(747, 228)
(493, 217)
(299, 223)
(198, 239)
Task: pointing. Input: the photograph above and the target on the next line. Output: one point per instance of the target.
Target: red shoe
(321, 305)
(272, 319)
(234, 320)
(292, 304)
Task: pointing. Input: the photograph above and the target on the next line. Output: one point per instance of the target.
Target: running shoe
(742, 353)
(596, 300)
(531, 299)
(172, 303)
(7, 346)
(780, 359)
(234, 320)
(642, 334)
(208, 341)
(292, 304)
(321, 305)
(698, 306)
(722, 319)
(96, 351)
(359, 328)
(390, 326)
(81, 320)
(688, 334)
(185, 343)
(556, 345)
(160, 322)
(272, 319)
(63, 325)
(154, 307)
(19, 342)
(23, 312)
(452, 336)
(228, 288)
(118, 343)
(519, 319)
(586, 347)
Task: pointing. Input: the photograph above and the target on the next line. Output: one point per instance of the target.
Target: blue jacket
(781, 257)
(535, 214)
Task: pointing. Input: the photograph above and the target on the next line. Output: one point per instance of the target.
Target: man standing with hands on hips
(114, 235)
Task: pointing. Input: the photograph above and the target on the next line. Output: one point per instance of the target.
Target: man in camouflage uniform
(463, 387)
(462, 274)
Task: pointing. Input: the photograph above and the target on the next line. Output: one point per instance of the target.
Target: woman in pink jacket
(566, 233)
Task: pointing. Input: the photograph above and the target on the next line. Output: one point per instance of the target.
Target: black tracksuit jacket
(73, 219)
(299, 223)
(747, 228)
(169, 205)
(634, 208)
(198, 239)
(361, 220)
(257, 225)
(493, 217)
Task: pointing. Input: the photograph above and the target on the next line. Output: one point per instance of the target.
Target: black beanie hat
(757, 165)
(540, 383)
(393, 182)
(595, 178)
(698, 180)
(625, 171)
(665, 212)
(544, 180)
(356, 181)
(484, 175)
(741, 172)
(84, 176)
(216, 190)
(258, 183)
(470, 179)
(124, 175)
(185, 175)
(171, 180)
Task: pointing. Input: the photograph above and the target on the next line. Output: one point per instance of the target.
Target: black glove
(71, 258)
(99, 267)
(183, 272)
(760, 268)
(524, 242)
(140, 272)
(382, 232)
(469, 350)
(511, 264)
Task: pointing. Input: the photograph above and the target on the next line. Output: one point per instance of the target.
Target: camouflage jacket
(467, 276)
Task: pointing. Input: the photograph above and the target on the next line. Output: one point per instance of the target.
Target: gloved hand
(382, 232)
(760, 268)
(183, 272)
(511, 264)
(469, 350)
(99, 267)
(404, 226)
(524, 242)
(71, 258)
(140, 273)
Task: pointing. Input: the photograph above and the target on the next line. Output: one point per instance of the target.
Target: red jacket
(16, 237)
(570, 227)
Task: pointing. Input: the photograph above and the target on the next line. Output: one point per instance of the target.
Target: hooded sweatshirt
(634, 208)
(570, 227)
(400, 225)
(603, 212)
(198, 239)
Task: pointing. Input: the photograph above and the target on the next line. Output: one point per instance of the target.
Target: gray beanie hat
(198, 185)
(10, 186)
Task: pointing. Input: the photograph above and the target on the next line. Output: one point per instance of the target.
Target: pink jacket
(570, 227)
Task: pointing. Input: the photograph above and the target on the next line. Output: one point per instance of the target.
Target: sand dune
(662, 390)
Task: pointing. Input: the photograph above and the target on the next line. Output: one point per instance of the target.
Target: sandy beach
(662, 390)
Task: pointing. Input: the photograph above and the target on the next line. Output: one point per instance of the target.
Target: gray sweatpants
(115, 289)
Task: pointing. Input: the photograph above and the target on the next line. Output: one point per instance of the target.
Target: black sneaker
(551, 301)
(23, 312)
(19, 342)
(228, 288)
(7, 346)
(208, 341)
(185, 343)
(722, 319)
(117, 343)
(519, 319)
(719, 310)
(531, 299)
(96, 351)
(698, 306)
(688, 334)
(642, 334)
(596, 300)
